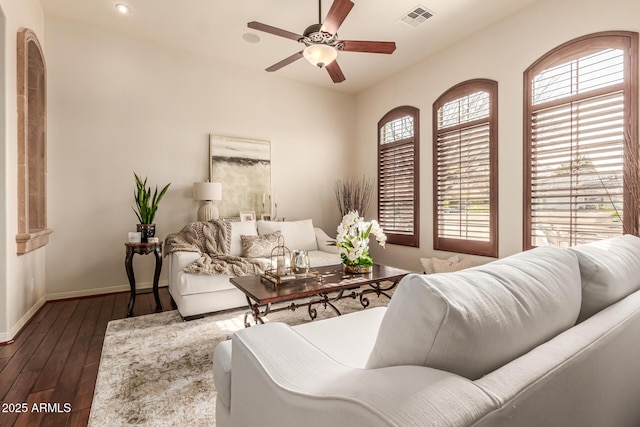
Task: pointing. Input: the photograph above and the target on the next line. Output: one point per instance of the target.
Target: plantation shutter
(579, 150)
(465, 196)
(397, 176)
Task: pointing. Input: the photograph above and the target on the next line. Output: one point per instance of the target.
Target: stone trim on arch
(32, 148)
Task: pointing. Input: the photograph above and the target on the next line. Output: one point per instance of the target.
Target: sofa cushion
(297, 234)
(610, 271)
(259, 246)
(347, 339)
(474, 321)
(322, 258)
(241, 228)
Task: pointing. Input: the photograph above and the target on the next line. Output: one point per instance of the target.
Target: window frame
(577, 48)
(472, 247)
(412, 240)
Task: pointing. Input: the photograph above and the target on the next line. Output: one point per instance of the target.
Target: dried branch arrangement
(354, 194)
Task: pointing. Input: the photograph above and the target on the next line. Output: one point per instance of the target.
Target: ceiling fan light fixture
(320, 55)
(322, 42)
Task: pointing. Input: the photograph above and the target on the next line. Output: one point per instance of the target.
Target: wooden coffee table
(331, 286)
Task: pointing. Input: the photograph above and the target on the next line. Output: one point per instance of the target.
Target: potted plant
(146, 206)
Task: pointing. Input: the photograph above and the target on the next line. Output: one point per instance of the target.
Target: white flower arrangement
(353, 239)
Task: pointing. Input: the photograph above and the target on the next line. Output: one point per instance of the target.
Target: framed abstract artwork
(243, 166)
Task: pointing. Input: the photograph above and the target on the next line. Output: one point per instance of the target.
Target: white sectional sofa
(198, 294)
(495, 345)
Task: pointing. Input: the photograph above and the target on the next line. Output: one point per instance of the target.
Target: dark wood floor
(55, 358)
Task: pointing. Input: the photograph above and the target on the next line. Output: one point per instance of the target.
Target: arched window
(398, 178)
(465, 169)
(581, 141)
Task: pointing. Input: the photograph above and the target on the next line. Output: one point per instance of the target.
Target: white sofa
(198, 294)
(495, 345)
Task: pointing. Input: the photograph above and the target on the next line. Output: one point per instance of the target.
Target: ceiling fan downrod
(313, 34)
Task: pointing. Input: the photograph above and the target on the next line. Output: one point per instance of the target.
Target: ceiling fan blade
(335, 72)
(337, 13)
(285, 62)
(273, 30)
(368, 46)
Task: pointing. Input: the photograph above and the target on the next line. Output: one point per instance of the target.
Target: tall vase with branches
(353, 194)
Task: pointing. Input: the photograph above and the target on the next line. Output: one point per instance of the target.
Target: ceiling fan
(322, 43)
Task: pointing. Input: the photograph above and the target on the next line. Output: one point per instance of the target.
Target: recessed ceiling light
(251, 38)
(123, 8)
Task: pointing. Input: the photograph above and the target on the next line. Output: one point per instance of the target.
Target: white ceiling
(215, 28)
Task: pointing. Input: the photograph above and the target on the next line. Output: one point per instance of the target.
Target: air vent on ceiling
(416, 16)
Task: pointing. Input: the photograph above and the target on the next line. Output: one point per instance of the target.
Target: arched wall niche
(32, 144)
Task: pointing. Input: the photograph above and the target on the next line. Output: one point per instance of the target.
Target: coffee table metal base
(258, 311)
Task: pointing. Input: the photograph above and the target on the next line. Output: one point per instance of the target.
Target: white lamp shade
(320, 55)
(207, 191)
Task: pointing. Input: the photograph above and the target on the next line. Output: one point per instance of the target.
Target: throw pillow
(259, 246)
(240, 228)
(473, 321)
(446, 266)
(610, 271)
(427, 263)
(297, 234)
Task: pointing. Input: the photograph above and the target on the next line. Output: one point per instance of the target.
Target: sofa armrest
(280, 379)
(323, 239)
(179, 260)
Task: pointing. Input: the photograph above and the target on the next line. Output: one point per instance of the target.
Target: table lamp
(207, 191)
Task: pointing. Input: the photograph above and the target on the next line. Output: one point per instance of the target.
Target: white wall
(3, 185)
(22, 278)
(118, 105)
(501, 52)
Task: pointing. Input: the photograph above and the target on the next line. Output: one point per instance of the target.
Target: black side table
(143, 249)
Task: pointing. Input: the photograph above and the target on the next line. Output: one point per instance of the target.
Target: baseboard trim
(6, 337)
(103, 291)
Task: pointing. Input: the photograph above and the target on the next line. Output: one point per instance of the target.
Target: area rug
(157, 370)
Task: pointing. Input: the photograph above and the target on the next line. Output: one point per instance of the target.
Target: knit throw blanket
(212, 240)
